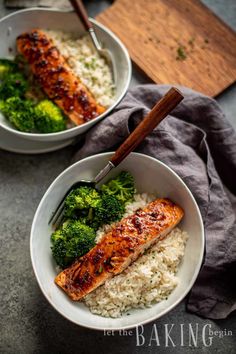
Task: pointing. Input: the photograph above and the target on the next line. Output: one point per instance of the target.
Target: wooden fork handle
(82, 13)
(163, 107)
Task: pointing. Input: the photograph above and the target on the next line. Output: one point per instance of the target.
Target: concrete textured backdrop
(28, 323)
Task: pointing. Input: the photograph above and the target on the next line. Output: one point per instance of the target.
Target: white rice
(150, 279)
(86, 64)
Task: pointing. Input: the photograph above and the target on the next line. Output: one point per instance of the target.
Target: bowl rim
(155, 316)
(98, 118)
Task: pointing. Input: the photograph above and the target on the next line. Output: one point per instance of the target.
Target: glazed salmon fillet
(120, 247)
(56, 78)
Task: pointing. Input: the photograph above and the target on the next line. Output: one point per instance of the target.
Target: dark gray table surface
(28, 323)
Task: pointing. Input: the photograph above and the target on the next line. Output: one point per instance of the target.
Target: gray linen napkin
(198, 143)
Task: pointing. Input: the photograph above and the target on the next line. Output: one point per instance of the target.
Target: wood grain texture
(158, 34)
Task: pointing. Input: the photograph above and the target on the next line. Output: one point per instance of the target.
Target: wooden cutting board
(176, 41)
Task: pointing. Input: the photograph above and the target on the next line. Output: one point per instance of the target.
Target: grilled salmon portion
(56, 78)
(121, 246)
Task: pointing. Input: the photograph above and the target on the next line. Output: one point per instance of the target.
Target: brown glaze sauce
(55, 77)
(116, 248)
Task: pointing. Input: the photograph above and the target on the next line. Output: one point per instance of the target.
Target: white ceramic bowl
(151, 176)
(13, 25)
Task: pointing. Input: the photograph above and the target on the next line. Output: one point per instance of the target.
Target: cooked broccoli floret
(13, 85)
(19, 112)
(86, 209)
(6, 67)
(48, 117)
(110, 210)
(73, 240)
(92, 207)
(122, 187)
(81, 201)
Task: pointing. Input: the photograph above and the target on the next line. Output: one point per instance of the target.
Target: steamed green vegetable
(19, 112)
(48, 117)
(121, 187)
(81, 202)
(110, 210)
(86, 209)
(71, 241)
(13, 85)
(93, 207)
(6, 67)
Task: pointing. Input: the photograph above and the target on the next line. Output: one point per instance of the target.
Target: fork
(103, 52)
(162, 108)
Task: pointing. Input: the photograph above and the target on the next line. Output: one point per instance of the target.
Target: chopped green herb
(93, 63)
(100, 269)
(94, 79)
(181, 54)
(191, 41)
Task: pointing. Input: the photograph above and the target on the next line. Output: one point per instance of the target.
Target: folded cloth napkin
(199, 144)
